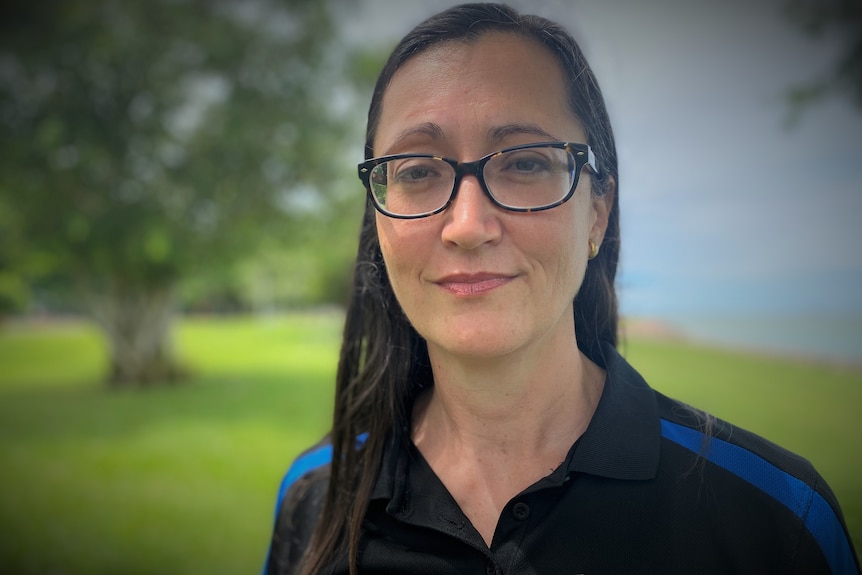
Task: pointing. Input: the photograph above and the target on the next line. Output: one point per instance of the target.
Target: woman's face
(477, 281)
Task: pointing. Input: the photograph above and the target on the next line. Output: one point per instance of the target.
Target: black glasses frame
(582, 154)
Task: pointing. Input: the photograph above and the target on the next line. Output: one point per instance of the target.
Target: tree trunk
(137, 324)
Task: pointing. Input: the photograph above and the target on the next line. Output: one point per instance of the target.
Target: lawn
(182, 479)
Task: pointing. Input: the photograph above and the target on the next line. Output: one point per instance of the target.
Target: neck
(534, 405)
(490, 429)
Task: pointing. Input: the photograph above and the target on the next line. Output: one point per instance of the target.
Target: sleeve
(296, 518)
(828, 538)
(297, 509)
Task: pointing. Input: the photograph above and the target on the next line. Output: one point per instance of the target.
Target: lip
(473, 284)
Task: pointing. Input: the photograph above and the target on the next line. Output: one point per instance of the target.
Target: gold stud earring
(594, 250)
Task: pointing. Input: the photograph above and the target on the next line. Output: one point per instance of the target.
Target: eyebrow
(501, 132)
(498, 134)
(426, 128)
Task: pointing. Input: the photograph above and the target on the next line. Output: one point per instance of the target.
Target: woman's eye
(528, 165)
(413, 174)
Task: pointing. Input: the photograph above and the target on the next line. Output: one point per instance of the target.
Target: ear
(602, 206)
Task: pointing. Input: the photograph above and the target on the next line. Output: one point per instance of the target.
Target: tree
(146, 139)
(13, 290)
(842, 19)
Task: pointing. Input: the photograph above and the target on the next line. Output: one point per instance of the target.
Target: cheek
(399, 249)
(390, 237)
(570, 239)
(585, 217)
(572, 267)
(387, 248)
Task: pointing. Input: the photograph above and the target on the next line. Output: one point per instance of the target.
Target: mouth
(473, 284)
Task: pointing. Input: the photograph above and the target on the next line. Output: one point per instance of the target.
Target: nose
(472, 220)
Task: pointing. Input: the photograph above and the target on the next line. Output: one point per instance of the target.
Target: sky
(726, 209)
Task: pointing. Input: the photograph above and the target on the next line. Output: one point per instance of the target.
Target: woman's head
(483, 278)
(458, 31)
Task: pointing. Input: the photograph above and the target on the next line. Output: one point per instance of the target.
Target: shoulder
(300, 504)
(298, 507)
(310, 468)
(733, 448)
(760, 474)
(744, 454)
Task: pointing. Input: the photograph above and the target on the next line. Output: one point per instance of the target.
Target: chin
(483, 343)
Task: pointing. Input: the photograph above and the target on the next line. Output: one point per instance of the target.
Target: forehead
(467, 87)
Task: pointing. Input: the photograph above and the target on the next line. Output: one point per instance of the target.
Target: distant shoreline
(835, 342)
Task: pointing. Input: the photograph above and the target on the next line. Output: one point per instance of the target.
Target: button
(521, 511)
(491, 569)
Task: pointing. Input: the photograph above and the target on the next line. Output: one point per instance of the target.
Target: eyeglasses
(527, 178)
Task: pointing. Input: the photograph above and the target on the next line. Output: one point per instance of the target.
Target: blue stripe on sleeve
(796, 495)
(308, 462)
(302, 465)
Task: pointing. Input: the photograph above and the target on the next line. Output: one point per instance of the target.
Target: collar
(622, 441)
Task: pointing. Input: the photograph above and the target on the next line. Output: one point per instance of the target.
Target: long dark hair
(384, 361)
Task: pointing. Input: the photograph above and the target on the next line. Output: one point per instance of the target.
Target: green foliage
(841, 20)
(183, 481)
(13, 291)
(145, 140)
(315, 269)
(363, 67)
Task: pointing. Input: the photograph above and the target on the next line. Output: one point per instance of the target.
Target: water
(829, 338)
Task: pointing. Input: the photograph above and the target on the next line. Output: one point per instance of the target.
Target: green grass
(175, 480)
(182, 479)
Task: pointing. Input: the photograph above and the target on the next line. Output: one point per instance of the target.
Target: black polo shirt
(652, 486)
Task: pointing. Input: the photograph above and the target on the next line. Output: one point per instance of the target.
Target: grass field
(182, 479)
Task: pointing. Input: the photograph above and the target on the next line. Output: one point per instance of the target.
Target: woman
(484, 421)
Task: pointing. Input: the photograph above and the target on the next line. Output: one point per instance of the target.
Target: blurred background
(179, 211)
